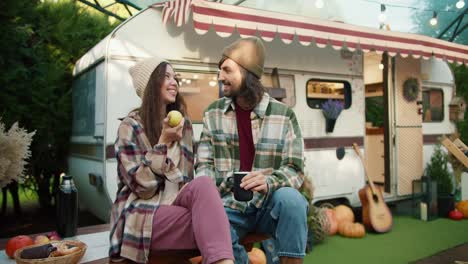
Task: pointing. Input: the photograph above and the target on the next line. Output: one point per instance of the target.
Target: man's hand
(256, 181)
(171, 134)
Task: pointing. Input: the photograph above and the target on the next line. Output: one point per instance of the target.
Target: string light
(382, 15)
(381, 66)
(319, 4)
(415, 8)
(433, 20)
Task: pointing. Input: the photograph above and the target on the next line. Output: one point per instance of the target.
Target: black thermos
(67, 207)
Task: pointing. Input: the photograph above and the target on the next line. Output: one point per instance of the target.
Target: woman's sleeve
(134, 164)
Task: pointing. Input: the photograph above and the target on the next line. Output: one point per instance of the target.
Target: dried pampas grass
(14, 152)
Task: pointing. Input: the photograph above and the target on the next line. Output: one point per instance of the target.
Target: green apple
(174, 118)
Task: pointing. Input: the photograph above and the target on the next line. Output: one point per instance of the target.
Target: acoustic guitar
(375, 213)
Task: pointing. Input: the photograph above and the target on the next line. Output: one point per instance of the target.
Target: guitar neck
(358, 152)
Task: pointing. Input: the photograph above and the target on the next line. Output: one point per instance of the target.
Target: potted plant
(331, 109)
(437, 170)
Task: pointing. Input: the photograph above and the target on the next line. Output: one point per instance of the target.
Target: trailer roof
(410, 16)
(225, 19)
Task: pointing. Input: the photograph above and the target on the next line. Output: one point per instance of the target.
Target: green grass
(409, 240)
(27, 197)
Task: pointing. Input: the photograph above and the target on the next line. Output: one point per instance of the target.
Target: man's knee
(290, 201)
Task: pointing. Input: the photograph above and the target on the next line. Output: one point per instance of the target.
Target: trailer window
(287, 83)
(433, 105)
(319, 91)
(83, 96)
(199, 90)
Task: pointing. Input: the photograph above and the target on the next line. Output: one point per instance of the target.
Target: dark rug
(455, 255)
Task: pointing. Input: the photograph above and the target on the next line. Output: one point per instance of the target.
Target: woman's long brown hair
(150, 111)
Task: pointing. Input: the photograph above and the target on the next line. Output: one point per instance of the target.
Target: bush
(437, 170)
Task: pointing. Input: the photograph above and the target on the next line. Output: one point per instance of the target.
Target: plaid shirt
(142, 171)
(278, 146)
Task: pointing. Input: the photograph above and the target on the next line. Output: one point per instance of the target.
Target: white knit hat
(141, 73)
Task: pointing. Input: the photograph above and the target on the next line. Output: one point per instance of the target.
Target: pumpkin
(463, 208)
(17, 242)
(455, 215)
(257, 256)
(349, 229)
(196, 260)
(343, 214)
(332, 220)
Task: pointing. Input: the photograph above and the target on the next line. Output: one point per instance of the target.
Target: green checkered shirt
(278, 145)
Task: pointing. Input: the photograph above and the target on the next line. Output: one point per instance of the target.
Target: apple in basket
(16, 243)
(53, 236)
(41, 239)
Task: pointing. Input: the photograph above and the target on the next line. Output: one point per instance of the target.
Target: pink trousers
(196, 219)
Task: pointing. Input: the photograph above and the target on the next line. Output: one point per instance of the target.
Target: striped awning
(225, 19)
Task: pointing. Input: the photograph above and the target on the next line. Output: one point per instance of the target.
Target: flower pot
(330, 125)
(445, 204)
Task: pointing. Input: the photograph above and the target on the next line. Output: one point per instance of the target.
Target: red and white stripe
(224, 19)
(179, 10)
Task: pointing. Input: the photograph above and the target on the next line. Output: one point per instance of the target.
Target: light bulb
(460, 4)
(212, 83)
(381, 66)
(433, 20)
(382, 17)
(319, 4)
(188, 81)
(195, 76)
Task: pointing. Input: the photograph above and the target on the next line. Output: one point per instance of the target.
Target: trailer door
(408, 126)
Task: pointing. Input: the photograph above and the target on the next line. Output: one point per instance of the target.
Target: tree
(40, 44)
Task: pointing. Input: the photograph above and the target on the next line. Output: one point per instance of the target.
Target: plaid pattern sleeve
(136, 162)
(289, 173)
(278, 143)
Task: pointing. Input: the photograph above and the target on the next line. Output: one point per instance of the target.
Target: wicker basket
(73, 258)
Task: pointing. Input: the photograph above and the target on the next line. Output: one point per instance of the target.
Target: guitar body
(375, 213)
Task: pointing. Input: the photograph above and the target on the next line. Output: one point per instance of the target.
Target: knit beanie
(141, 73)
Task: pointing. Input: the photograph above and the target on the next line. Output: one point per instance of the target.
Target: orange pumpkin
(463, 208)
(332, 220)
(257, 256)
(349, 229)
(196, 260)
(343, 214)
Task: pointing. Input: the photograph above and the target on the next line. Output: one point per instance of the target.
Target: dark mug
(241, 194)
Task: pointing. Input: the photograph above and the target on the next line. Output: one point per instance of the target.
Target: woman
(158, 206)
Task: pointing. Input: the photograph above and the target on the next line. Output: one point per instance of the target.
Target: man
(247, 130)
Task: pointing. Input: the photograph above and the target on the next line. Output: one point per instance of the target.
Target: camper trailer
(395, 126)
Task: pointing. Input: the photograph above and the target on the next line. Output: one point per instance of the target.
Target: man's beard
(242, 92)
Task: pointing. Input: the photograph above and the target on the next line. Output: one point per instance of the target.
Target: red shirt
(246, 145)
